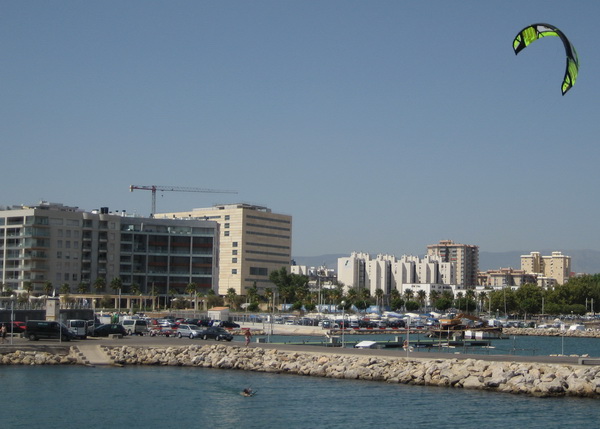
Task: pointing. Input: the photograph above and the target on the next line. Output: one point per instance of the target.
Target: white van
(135, 326)
(78, 327)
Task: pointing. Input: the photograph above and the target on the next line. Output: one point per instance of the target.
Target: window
(234, 252)
(226, 233)
(234, 271)
(227, 225)
(234, 260)
(234, 244)
(227, 217)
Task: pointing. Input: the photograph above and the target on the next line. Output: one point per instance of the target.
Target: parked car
(47, 330)
(109, 329)
(228, 324)
(17, 327)
(188, 330)
(165, 331)
(135, 326)
(91, 327)
(215, 333)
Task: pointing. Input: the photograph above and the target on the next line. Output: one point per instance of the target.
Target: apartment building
(506, 277)
(555, 266)
(465, 256)
(254, 242)
(58, 244)
(387, 273)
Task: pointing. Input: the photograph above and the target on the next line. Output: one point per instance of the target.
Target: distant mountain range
(582, 261)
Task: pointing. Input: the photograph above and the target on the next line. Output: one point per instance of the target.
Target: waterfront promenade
(161, 342)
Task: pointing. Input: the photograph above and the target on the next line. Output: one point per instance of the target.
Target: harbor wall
(537, 379)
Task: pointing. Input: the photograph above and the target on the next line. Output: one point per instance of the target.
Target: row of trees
(577, 296)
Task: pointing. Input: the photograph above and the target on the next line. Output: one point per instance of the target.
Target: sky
(380, 127)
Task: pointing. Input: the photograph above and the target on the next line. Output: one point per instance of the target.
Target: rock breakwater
(28, 357)
(552, 332)
(535, 379)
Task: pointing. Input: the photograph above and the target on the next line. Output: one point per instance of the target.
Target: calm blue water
(515, 345)
(173, 397)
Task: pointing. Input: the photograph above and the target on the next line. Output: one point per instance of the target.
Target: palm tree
(28, 286)
(116, 284)
(65, 289)
(100, 284)
(231, 297)
(192, 289)
(379, 298)
(408, 294)
(82, 287)
(422, 296)
(482, 297)
(48, 288)
(470, 295)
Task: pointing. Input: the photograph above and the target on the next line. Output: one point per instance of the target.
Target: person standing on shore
(3, 333)
(248, 336)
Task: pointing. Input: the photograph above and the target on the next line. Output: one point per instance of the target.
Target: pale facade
(253, 243)
(465, 256)
(387, 273)
(506, 277)
(555, 266)
(61, 245)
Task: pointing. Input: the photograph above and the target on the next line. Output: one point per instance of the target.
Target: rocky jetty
(535, 379)
(28, 357)
(552, 332)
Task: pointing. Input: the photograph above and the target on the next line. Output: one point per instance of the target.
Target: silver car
(190, 331)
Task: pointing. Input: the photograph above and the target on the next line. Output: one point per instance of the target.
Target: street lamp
(343, 321)
(408, 337)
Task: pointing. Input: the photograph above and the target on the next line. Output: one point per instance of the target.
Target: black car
(109, 329)
(227, 324)
(215, 333)
(47, 330)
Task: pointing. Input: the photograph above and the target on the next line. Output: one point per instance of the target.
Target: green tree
(28, 286)
(412, 305)
(48, 288)
(82, 287)
(422, 296)
(100, 284)
(65, 289)
(116, 284)
(397, 303)
(443, 303)
(232, 298)
(529, 299)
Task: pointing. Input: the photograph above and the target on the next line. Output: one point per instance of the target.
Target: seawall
(529, 378)
(537, 379)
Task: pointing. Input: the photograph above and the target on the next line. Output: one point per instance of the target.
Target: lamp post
(408, 336)
(343, 322)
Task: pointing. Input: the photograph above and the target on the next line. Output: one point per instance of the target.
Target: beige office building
(51, 243)
(465, 256)
(556, 266)
(253, 243)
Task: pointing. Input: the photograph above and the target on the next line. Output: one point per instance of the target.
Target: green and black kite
(536, 31)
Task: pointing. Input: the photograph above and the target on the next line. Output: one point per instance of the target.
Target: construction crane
(154, 188)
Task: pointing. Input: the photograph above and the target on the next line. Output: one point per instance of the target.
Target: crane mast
(154, 188)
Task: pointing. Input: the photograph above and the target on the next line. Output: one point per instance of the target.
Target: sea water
(184, 397)
(513, 345)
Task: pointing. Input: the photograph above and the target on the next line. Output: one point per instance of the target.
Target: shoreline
(541, 376)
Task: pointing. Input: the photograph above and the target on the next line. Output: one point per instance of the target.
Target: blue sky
(379, 126)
